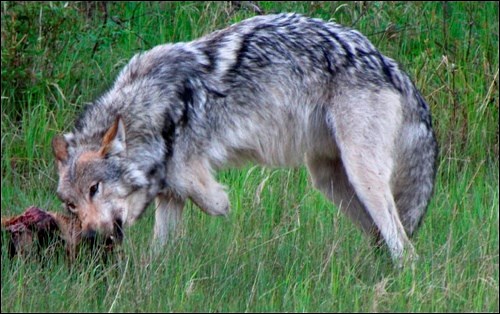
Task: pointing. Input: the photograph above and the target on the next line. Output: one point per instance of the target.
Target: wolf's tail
(415, 162)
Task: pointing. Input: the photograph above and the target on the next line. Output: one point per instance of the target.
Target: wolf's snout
(89, 234)
(118, 230)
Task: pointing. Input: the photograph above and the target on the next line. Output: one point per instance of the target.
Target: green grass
(283, 247)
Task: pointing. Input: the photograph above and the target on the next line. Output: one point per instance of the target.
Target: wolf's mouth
(106, 241)
(117, 236)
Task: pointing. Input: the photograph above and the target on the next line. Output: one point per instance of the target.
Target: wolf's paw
(220, 207)
(214, 202)
(408, 259)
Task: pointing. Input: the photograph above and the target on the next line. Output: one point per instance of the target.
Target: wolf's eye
(94, 189)
(71, 207)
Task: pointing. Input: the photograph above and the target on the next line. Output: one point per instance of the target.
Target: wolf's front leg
(205, 191)
(213, 200)
(168, 215)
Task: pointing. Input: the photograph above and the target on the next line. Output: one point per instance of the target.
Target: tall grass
(283, 247)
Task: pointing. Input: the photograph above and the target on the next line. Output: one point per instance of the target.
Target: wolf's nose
(89, 234)
(118, 229)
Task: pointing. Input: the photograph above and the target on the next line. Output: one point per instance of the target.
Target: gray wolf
(278, 90)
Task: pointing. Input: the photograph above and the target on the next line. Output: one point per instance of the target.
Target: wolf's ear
(113, 142)
(60, 149)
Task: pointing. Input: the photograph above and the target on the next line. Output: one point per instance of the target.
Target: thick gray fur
(279, 90)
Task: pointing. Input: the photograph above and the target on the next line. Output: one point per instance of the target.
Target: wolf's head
(97, 184)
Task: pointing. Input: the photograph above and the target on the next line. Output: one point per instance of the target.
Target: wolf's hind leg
(365, 126)
(373, 190)
(328, 176)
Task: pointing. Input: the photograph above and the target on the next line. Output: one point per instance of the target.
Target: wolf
(278, 90)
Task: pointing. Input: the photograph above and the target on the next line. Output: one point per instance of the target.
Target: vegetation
(283, 247)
